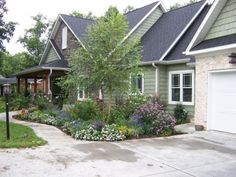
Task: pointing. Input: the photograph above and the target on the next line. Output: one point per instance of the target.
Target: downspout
(49, 84)
(156, 77)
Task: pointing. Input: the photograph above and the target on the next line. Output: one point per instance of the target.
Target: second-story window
(64, 38)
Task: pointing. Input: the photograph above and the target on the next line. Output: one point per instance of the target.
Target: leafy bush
(153, 118)
(2, 105)
(19, 102)
(128, 132)
(42, 103)
(85, 110)
(180, 114)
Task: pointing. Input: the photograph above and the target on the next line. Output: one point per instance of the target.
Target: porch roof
(59, 65)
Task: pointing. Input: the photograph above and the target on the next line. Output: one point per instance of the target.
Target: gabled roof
(177, 52)
(199, 45)
(135, 16)
(77, 25)
(168, 30)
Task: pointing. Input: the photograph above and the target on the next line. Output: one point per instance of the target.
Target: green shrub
(2, 106)
(85, 110)
(19, 102)
(124, 130)
(42, 103)
(180, 114)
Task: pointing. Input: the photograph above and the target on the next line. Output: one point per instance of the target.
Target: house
(214, 48)
(167, 71)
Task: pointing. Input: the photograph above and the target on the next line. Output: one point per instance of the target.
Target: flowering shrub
(153, 118)
(108, 133)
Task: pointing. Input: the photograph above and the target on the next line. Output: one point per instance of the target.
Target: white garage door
(222, 101)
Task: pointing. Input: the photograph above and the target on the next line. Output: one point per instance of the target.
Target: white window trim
(181, 87)
(78, 95)
(64, 37)
(142, 90)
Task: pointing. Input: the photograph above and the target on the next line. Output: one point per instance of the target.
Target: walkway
(199, 154)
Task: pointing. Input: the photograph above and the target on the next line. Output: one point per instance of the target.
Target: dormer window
(64, 38)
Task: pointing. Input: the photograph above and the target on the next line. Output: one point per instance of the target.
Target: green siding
(147, 24)
(149, 80)
(164, 85)
(51, 56)
(225, 23)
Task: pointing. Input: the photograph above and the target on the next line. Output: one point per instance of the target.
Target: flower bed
(86, 121)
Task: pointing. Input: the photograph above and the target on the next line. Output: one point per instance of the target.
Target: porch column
(26, 86)
(35, 85)
(18, 85)
(46, 84)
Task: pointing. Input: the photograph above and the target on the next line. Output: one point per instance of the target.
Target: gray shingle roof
(217, 42)
(77, 24)
(7, 80)
(53, 64)
(134, 17)
(165, 31)
(177, 52)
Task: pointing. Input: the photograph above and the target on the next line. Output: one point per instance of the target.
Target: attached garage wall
(203, 66)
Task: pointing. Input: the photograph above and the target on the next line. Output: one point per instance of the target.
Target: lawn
(21, 137)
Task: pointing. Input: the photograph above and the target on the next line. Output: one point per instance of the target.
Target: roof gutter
(181, 61)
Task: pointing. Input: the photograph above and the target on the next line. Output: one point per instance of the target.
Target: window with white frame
(64, 38)
(138, 83)
(81, 95)
(181, 87)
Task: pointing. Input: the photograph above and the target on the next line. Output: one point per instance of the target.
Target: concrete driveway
(204, 154)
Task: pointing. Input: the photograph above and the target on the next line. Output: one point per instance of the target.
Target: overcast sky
(20, 11)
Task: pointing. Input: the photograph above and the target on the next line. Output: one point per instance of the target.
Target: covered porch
(41, 79)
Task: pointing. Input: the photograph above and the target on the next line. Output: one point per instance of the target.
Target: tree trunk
(110, 99)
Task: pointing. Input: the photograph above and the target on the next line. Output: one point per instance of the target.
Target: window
(138, 83)
(181, 87)
(81, 95)
(64, 38)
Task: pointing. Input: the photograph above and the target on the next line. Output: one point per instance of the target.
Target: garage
(222, 101)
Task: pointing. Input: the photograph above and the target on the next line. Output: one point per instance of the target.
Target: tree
(34, 39)
(177, 5)
(12, 64)
(6, 28)
(88, 16)
(128, 9)
(106, 63)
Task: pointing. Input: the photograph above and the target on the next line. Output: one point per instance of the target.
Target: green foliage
(90, 15)
(12, 64)
(85, 110)
(105, 64)
(6, 28)
(42, 103)
(121, 112)
(19, 102)
(124, 130)
(21, 137)
(34, 39)
(2, 105)
(180, 114)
